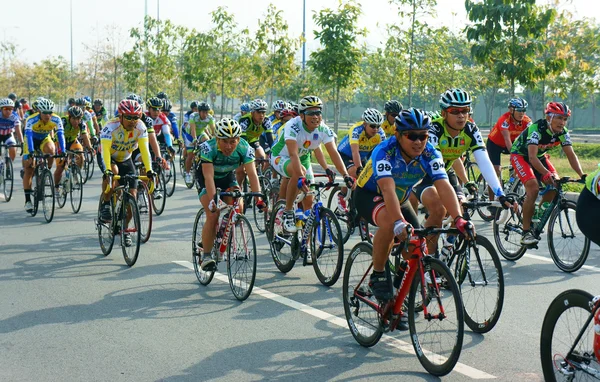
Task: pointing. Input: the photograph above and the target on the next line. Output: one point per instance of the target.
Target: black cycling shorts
(348, 161)
(369, 203)
(126, 168)
(494, 152)
(428, 182)
(588, 210)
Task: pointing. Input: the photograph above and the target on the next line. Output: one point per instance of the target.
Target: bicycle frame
(308, 222)
(556, 201)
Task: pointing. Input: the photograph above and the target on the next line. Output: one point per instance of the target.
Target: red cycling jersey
(506, 122)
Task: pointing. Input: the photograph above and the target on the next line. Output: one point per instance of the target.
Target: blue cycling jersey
(172, 117)
(357, 135)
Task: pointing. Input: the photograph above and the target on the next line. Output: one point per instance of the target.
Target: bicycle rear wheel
(261, 218)
(343, 216)
(7, 179)
(47, 193)
(474, 175)
(130, 226)
(204, 277)
(508, 230)
(106, 230)
(159, 197)
(145, 210)
(568, 316)
(76, 192)
(171, 178)
(36, 194)
(327, 247)
(568, 246)
(61, 200)
(359, 303)
(241, 258)
(280, 241)
(437, 338)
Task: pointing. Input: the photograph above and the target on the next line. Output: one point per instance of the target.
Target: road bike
(71, 183)
(171, 173)
(346, 213)
(43, 186)
(6, 172)
(144, 202)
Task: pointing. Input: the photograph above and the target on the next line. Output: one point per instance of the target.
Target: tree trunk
(410, 59)
(336, 109)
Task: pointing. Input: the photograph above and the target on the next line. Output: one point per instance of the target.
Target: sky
(94, 20)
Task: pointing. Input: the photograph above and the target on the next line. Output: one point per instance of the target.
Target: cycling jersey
(8, 125)
(357, 135)
(200, 124)
(118, 143)
(87, 119)
(224, 165)
(540, 134)
(387, 162)
(237, 116)
(592, 182)
(172, 117)
(101, 115)
(35, 128)
(388, 129)
(271, 117)
(307, 141)
(252, 132)
(469, 138)
(73, 132)
(506, 122)
(161, 126)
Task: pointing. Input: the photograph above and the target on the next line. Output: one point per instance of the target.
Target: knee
(436, 211)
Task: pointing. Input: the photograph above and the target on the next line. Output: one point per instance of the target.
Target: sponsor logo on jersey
(277, 160)
(306, 144)
(444, 142)
(315, 136)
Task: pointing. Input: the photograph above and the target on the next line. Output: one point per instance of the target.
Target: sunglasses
(131, 117)
(313, 112)
(154, 108)
(522, 109)
(7, 108)
(456, 111)
(47, 112)
(373, 126)
(417, 137)
(393, 114)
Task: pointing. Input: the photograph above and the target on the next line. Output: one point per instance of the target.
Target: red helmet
(288, 113)
(559, 108)
(129, 107)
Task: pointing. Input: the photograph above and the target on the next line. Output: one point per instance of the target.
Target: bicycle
(348, 216)
(171, 173)
(43, 185)
(159, 197)
(433, 301)
(569, 348)
(260, 218)
(125, 221)
(71, 183)
(562, 224)
(318, 228)
(235, 237)
(144, 202)
(89, 163)
(6, 172)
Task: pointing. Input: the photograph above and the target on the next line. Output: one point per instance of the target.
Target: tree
(337, 63)
(508, 35)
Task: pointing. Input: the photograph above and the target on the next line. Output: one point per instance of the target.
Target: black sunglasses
(523, 109)
(373, 126)
(417, 137)
(131, 117)
(47, 112)
(313, 112)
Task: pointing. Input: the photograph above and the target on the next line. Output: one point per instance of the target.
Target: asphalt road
(67, 313)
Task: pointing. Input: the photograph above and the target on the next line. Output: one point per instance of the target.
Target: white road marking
(406, 347)
(548, 259)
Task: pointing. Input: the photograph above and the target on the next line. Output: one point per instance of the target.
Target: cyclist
(118, 139)
(162, 95)
(286, 115)
(9, 124)
(197, 133)
(38, 129)
(392, 109)
(172, 117)
(253, 125)
(25, 104)
(588, 207)
(160, 122)
(75, 132)
(88, 119)
(291, 154)
(18, 108)
(101, 113)
(278, 106)
(531, 163)
(219, 157)
(383, 187)
(244, 109)
(70, 102)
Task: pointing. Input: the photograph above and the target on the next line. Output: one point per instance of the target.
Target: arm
(459, 169)
(145, 151)
(208, 170)
(392, 204)
(105, 146)
(447, 196)
(175, 128)
(18, 132)
(355, 155)
(488, 172)
(506, 135)
(337, 160)
(96, 126)
(193, 130)
(252, 176)
(321, 158)
(573, 160)
(154, 144)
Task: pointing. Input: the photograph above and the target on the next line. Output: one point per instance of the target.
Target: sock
(28, 195)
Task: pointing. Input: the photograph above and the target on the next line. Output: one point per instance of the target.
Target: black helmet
(12, 96)
(162, 95)
(393, 106)
(194, 104)
(98, 102)
(71, 101)
(154, 102)
(75, 112)
(203, 106)
(167, 105)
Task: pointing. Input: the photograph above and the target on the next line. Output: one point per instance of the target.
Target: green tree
(337, 63)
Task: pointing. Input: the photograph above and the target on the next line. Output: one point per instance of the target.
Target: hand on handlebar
(465, 227)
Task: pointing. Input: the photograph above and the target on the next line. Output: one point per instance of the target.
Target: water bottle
(300, 217)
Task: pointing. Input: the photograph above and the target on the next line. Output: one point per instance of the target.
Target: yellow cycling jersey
(41, 129)
(118, 143)
(388, 129)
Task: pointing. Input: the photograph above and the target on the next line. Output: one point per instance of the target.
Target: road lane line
(549, 260)
(406, 347)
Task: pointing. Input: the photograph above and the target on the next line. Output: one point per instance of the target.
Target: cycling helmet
(12, 96)
(228, 128)
(518, 103)
(154, 102)
(245, 107)
(129, 107)
(393, 106)
(288, 113)
(23, 100)
(258, 105)
(75, 112)
(45, 105)
(279, 105)
(412, 119)
(87, 99)
(71, 101)
(88, 105)
(559, 108)
(455, 98)
(372, 116)
(310, 101)
(162, 95)
(433, 114)
(34, 105)
(98, 102)
(193, 104)
(167, 105)
(135, 97)
(203, 106)
(294, 107)
(6, 102)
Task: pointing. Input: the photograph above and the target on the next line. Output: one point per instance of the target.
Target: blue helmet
(518, 103)
(412, 119)
(245, 107)
(88, 99)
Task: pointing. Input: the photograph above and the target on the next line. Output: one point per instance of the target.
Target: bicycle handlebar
(129, 176)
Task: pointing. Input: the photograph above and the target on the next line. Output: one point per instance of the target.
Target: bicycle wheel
(359, 304)
(76, 192)
(474, 175)
(281, 240)
(508, 230)
(241, 258)
(130, 226)
(478, 271)
(92, 165)
(204, 277)
(261, 218)
(568, 316)
(327, 247)
(437, 337)
(106, 230)
(145, 210)
(61, 200)
(35, 195)
(86, 167)
(159, 198)
(569, 247)
(171, 178)
(7, 179)
(47, 193)
(346, 224)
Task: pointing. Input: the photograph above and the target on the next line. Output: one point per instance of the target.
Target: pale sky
(45, 32)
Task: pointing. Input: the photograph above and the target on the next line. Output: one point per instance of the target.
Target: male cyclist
(253, 125)
(160, 123)
(200, 124)
(531, 163)
(244, 109)
(383, 187)
(9, 124)
(101, 113)
(392, 109)
(219, 157)
(172, 117)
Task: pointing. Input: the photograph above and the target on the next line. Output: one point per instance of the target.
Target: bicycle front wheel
(204, 277)
(159, 197)
(130, 230)
(145, 210)
(76, 192)
(568, 246)
(280, 240)
(8, 180)
(437, 337)
(342, 214)
(508, 230)
(171, 178)
(327, 247)
(61, 200)
(106, 230)
(568, 317)
(47, 193)
(360, 306)
(241, 258)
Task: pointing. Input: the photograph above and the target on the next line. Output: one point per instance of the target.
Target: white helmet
(455, 98)
(308, 102)
(45, 105)
(258, 105)
(7, 102)
(373, 117)
(279, 105)
(228, 128)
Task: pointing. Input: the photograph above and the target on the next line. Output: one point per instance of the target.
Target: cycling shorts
(525, 171)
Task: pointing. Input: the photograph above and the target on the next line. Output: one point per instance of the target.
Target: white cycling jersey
(307, 141)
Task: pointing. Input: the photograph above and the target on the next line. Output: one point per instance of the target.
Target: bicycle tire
(92, 165)
(129, 207)
(48, 195)
(76, 192)
(35, 195)
(560, 257)
(261, 218)
(171, 180)
(159, 190)
(62, 195)
(327, 268)
(8, 180)
(363, 320)
(576, 304)
(204, 277)
(241, 267)
(436, 361)
(106, 231)
(86, 167)
(145, 210)
(507, 231)
(279, 236)
(346, 224)
(482, 190)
